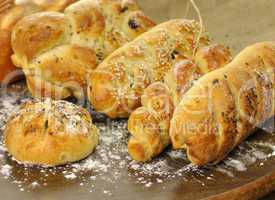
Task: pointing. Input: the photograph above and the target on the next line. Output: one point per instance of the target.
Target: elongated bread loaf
(58, 50)
(116, 86)
(225, 106)
(149, 124)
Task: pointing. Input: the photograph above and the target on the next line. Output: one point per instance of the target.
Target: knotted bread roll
(50, 133)
(225, 106)
(149, 125)
(116, 86)
(58, 50)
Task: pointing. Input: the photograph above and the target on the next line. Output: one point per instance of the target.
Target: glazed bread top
(9, 18)
(53, 5)
(50, 133)
(149, 125)
(225, 106)
(117, 84)
(18, 10)
(100, 25)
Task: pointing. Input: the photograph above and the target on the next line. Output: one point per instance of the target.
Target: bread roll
(7, 21)
(58, 50)
(116, 86)
(225, 106)
(149, 125)
(6, 65)
(50, 133)
(9, 18)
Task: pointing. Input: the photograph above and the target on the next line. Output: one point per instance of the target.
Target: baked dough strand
(116, 86)
(225, 106)
(149, 125)
(58, 50)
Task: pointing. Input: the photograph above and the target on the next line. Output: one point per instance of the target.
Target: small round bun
(50, 133)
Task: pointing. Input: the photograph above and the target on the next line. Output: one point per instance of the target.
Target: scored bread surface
(50, 133)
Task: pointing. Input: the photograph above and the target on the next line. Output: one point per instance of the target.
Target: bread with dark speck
(225, 106)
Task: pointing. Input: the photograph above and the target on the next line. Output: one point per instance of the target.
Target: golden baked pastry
(6, 66)
(53, 5)
(149, 125)
(116, 86)
(58, 50)
(50, 133)
(9, 18)
(225, 106)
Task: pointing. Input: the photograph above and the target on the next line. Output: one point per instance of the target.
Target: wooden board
(110, 174)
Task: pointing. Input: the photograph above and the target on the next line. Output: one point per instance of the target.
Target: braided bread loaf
(225, 106)
(57, 51)
(9, 18)
(116, 86)
(149, 124)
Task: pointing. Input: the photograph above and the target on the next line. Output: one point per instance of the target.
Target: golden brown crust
(36, 34)
(45, 88)
(225, 106)
(72, 64)
(98, 26)
(150, 123)
(104, 25)
(146, 137)
(139, 63)
(212, 57)
(10, 17)
(53, 5)
(7, 21)
(159, 100)
(6, 65)
(50, 133)
(181, 78)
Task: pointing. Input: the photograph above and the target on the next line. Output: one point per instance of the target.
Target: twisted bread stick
(58, 50)
(225, 106)
(116, 86)
(149, 124)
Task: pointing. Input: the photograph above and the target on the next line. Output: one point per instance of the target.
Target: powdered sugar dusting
(111, 164)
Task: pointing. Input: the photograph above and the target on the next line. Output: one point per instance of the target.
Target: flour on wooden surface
(110, 163)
